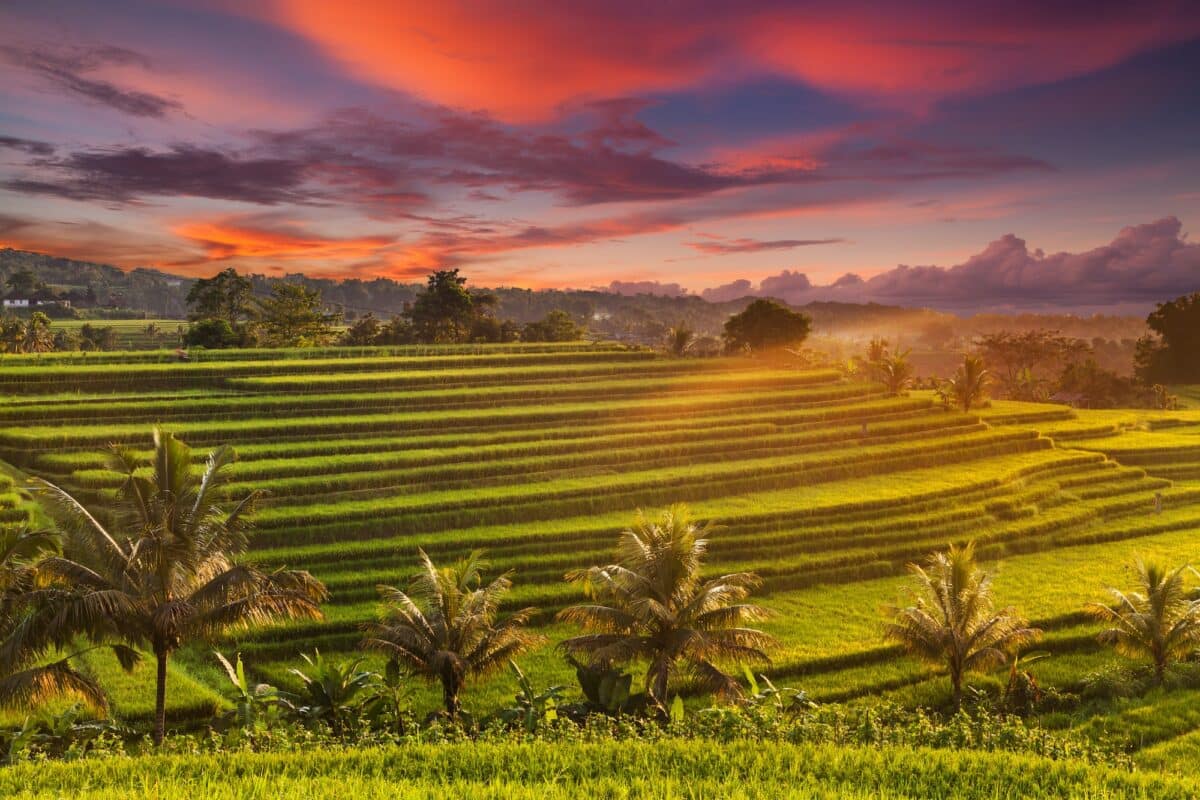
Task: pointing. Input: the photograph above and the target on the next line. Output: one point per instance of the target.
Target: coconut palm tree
(164, 571)
(1159, 620)
(680, 339)
(953, 623)
(38, 338)
(26, 681)
(654, 605)
(445, 627)
(894, 371)
(968, 388)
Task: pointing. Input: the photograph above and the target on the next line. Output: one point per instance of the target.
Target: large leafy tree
(226, 295)
(164, 569)
(654, 605)
(294, 316)
(953, 622)
(445, 627)
(1160, 620)
(766, 325)
(446, 311)
(1171, 355)
(557, 326)
(1025, 363)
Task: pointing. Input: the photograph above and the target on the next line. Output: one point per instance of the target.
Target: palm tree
(167, 571)
(680, 339)
(968, 388)
(445, 628)
(894, 371)
(1159, 620)
(26, 680)
(953, 623)
(37, 338)
(654, 605)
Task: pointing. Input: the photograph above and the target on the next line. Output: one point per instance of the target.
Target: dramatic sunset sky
(1011, 153)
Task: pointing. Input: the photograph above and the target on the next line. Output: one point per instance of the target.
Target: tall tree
(445, 626)
(654, 605)
(226, 295)
(23, 283)
(1171, 356)
(166, 571)
(953, 622)
(765, 325)
(1160, 620)
(294, 316)
(445, 310)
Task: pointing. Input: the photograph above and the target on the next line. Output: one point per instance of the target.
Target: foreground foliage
(165, 574)
(653, 605)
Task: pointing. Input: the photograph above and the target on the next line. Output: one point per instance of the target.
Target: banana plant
(330, 691)
(251, 702)
(532, 707)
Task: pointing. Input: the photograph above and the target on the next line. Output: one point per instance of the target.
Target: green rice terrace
(822, 484)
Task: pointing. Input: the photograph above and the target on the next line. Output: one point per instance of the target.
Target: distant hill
(643, 317)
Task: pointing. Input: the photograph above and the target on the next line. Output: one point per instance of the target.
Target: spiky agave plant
(1159, 620)
(445, 627)
(654, 605)
(165, 571)
(953, 621)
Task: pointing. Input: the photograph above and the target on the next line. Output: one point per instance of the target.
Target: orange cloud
(233, 238)
(523, 61)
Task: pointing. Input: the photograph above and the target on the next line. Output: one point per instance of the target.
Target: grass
(663, 769)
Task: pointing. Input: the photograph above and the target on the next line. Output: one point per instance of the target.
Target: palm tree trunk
(956, 684)
(658, 688)
(450, 695)
(160, 697)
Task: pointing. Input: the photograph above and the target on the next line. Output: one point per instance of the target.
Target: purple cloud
(65, 70)
(718, 246)
(1143, 264)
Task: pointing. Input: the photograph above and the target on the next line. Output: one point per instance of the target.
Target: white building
(16, 302)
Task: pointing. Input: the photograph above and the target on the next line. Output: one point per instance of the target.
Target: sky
(962, 155)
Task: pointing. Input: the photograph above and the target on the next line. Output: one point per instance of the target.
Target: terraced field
(540, 454)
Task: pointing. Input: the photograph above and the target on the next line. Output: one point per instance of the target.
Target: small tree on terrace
(766, 325)
(653, 605)
(1159, 621)
(680, 339)
(968, 388)
(445, 627)
(952, 622)
(894, 371)
(164, 573)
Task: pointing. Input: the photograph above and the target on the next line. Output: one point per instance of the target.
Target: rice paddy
(540, 454)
